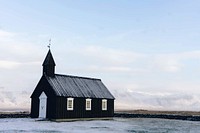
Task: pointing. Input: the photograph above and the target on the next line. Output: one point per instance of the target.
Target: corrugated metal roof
(74, 86)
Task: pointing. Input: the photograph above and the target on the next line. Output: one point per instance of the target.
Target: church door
(43, 105)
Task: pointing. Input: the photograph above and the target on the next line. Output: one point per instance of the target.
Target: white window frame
(104, 104)
(90, 104)
(68, 100)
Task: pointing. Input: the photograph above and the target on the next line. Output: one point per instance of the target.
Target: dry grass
(152, 112)
(21, 112)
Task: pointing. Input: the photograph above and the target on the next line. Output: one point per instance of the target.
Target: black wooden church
(59, 97)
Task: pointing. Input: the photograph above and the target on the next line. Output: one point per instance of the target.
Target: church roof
(49, 59)
(74, 86)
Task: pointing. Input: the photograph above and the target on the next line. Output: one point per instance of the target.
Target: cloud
(111, 56)
(13, 64)
(107, 59)
(109, 69)
(188, 55)
(14, 100)
(7, 99)
(19, 59)
(157, 101)
(8, 64)
(174, 62)
(4, 34)
(98, 59)
(16, 51)
(167, 63)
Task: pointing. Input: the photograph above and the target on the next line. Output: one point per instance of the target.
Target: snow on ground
(118, 125)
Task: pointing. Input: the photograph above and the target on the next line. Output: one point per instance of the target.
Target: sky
(146, 52)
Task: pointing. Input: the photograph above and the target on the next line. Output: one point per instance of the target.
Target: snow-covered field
(117, 125)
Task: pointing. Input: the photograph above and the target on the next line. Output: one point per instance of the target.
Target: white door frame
(42, 105)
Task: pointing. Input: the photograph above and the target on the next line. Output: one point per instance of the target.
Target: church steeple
(49, 65)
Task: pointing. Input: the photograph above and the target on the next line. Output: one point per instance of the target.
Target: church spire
(49, 65)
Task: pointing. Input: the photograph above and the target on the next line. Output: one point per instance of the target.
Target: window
(104, 104)
(88, 104)
(70, 103)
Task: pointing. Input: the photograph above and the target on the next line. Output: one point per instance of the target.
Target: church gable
(43, 86)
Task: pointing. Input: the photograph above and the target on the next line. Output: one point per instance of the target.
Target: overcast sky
(147, 52)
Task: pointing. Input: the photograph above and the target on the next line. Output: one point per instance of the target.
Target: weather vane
(49, 46)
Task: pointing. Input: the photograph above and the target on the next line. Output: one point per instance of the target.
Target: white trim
(90, 103)
(43, 105)
(104, 104)
(72, 103)
(43, 95)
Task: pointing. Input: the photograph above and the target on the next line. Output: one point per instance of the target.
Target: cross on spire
(49, 46)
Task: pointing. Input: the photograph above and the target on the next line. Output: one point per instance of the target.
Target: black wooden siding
(43, 86)
(79, 110)
(34, 107)
(57, 108)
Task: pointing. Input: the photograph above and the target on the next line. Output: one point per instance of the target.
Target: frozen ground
(118, 125)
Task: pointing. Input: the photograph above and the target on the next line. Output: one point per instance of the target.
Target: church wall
(80, 111)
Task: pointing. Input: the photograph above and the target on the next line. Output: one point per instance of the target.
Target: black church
(59, 97)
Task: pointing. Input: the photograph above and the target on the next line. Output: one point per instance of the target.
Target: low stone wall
(15, 115)
(162, 116)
